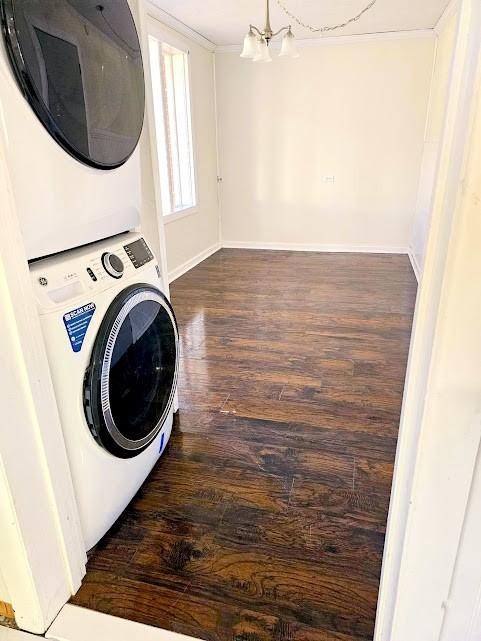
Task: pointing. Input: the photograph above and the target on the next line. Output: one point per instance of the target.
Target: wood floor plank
(333, 541)
(340, 469)
(225, 426)
(248, 577)
(265, 520)
(186, 613)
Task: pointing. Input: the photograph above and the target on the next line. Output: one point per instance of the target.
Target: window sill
(178, 215)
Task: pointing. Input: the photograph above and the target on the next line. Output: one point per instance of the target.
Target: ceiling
(225, 22)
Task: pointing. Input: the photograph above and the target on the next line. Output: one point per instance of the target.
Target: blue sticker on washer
(77, 323)
(161, 449)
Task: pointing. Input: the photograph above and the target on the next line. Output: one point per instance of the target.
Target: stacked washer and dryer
(72, 108)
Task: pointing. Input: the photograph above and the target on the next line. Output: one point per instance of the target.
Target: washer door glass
(79, 64)
(130, 384)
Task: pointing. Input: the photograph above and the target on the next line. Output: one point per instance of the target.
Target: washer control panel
(113, 265)
(139, 253)
(79, 273)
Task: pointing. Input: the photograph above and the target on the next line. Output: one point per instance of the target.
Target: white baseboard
(414, 264)
(360, 249)
(299, 247)
(190, 264)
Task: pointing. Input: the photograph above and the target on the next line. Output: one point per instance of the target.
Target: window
(173, 121)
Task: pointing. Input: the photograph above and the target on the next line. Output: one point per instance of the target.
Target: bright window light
(173, 123)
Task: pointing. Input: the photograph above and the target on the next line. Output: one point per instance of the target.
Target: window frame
(158, 81)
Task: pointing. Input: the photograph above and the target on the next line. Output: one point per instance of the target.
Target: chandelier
(256, 42)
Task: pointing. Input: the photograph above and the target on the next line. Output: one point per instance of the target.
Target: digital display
(139, 253)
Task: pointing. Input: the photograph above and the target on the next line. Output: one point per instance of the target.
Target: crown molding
(168, 20)
(307, 43)
(451, 9)
(180, 27)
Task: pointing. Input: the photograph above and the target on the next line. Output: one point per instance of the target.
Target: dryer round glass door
(130, 384)
(79, 65)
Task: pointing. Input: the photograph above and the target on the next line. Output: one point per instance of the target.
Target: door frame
(39, 524)
(412, 461)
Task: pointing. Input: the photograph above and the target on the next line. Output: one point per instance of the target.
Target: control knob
(113, 265)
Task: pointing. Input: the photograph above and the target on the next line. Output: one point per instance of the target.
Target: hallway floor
(265, 520)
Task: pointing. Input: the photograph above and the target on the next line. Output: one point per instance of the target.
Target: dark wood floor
(265, 521)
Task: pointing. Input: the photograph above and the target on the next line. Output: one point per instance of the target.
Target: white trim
(217, 151)
(307, 43)
(9, 634)
(394, 596)
(228, 244)
(178, 215)
(150, 141)
(316, 247)
(414, 264)
(431, 93)
(170, 21)
(193, 262)
(463, 617)
(450, 10)
(79, 624)
(180, 27)
(39, 521)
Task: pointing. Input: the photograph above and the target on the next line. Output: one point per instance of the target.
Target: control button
(92, 275)
(113, 265)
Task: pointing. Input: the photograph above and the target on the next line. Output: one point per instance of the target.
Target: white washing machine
(72, 102)
(112, 344)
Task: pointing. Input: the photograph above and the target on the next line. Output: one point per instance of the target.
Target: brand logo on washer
(43, 281)
(77, 323)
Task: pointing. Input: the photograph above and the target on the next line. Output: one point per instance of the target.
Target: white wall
(432, 140)
(197, 233)
(4, 595)
(355, 110)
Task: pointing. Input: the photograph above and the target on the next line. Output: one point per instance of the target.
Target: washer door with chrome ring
(130, 384)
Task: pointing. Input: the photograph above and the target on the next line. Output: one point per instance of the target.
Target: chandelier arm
(328, 28)
(281, 30)
(254, 28)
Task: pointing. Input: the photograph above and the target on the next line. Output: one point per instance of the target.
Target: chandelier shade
(289, 47)
(251, 47)
(263, 54)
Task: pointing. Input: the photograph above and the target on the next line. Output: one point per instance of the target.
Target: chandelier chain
(324, 29)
